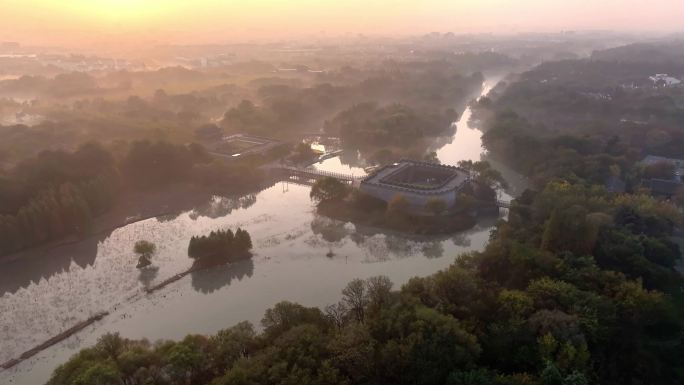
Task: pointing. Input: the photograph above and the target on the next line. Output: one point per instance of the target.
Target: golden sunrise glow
(122, 10)
(82, 21)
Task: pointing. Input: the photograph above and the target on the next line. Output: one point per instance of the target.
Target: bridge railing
(314, 172)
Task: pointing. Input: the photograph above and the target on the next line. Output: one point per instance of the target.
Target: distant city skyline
(132, 22)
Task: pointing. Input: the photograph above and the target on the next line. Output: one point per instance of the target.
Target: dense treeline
(369, 125)
(57, 212)
(54, 195)
(420, 98)
(583, 159)
(587, 121)
(606, 105)
(52, 168)
(576, 288)
(666, 53)
(221, 245)
(58, 194)
(167, 104)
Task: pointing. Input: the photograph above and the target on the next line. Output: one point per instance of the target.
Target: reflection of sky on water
(466, 144)
(342, 163)
(335, 164)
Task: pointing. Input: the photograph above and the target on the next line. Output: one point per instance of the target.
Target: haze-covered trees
(56, 212)
(483, 173)
(58, 194)
(369, 125)
(303, 153)
(328, 189)
(154, 164)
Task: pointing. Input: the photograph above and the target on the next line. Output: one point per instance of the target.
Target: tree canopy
(328, 189)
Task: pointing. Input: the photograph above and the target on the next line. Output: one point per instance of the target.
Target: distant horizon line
(302, 38)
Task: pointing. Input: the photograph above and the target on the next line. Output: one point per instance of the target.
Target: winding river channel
(298, 256)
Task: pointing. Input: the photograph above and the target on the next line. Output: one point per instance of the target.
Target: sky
(82, 22)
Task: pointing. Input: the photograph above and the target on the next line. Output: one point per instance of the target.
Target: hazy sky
(206, 21)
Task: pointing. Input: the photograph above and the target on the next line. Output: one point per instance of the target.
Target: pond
(298, 256)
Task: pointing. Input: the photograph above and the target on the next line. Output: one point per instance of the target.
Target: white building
(417, 182)
(665, 79)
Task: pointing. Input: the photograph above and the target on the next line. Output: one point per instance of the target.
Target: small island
(220, 247)
(413, 197)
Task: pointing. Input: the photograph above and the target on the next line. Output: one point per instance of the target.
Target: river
(298, 256)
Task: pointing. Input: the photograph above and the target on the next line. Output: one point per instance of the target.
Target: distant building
(677, 163)
(418, 182)
(615, 185)
(664, 187)
(664, 80)
(233, 146)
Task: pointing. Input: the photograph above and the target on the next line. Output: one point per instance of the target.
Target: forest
(577, 287)
(58, 194)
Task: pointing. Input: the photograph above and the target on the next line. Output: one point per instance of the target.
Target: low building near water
(417, 182)
(664, 187)
(237, 145)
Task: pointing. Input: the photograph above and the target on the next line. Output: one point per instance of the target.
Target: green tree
(379, 292)
(242, 241)
(100, 373)
(229, 345)
(550, 375)
(432, 158)
(145, 251)
(398, 205)
(184, 361)
(287, 315)
(328, 189)
(435, 206)
(484, 173)
(355, 297)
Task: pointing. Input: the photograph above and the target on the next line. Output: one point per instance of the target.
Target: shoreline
(66, 242)
(131, 207)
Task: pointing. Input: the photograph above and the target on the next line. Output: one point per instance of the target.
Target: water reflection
(331, 230)
(34, 266)
(433, 250)
(209, 281)
(147, 275)
(461, 239)
(466, 143)
(219, 206)
(377, 244)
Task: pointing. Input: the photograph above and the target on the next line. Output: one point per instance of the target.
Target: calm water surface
(48, 294)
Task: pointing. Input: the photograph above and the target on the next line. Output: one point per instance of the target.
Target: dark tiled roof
(615, 185)
(662, 187)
